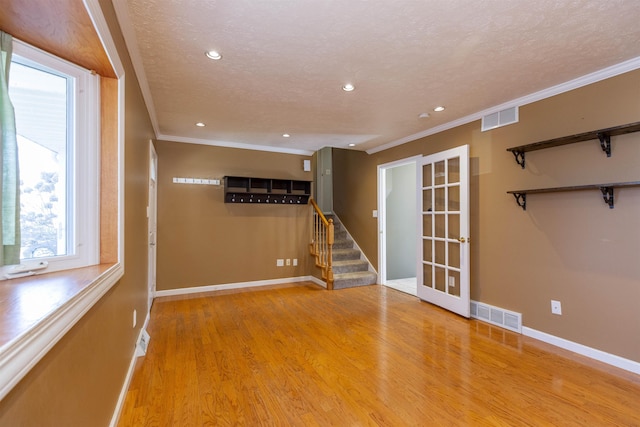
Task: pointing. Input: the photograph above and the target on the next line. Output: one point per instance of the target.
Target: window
(57, 121)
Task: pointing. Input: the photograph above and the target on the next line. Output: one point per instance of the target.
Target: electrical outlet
(556, 307)
(295, 262)
(279, 262)
(288, 261)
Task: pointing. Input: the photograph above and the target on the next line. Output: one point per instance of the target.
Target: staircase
(349, 270)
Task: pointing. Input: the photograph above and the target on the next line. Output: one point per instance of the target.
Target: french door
(443, 224)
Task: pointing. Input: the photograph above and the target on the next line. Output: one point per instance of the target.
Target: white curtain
(10, 185)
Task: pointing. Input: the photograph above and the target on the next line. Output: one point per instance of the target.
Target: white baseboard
(127, 379)
(611, 359)
(239, 285)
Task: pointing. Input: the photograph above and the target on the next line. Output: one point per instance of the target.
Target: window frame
(25, 350)
(84, 168)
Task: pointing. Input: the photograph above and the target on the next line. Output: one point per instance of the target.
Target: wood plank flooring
(302, 356)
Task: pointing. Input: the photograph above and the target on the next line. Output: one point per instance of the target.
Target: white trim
(229, 144)
(317, 281)
(605, 73)
(238, 285)
(130, 39)
(127, 379)
(102, 28)
(602, 356)
(22, 353)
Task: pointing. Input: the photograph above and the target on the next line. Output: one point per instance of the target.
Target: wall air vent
(497, 316)
(500, 118)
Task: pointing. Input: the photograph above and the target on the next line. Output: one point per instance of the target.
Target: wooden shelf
(238, 189)
(606, 189)
(603, 135)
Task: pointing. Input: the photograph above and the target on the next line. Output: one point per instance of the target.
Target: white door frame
(152, 224)
(382, 212)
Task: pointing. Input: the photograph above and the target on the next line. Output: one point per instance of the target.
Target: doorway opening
(152, 215)
(397, 223)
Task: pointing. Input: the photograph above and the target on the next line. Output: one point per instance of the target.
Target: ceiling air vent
(500, 118)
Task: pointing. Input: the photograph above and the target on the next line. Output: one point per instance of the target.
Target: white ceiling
(285, 61)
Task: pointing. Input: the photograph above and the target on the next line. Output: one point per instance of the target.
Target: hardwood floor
(300, 355)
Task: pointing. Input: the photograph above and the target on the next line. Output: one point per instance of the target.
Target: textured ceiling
(285, 61)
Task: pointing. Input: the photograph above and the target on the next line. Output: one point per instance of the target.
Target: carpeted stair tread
(349, 266)
(345, 254)
(350, 280)
(342, 244)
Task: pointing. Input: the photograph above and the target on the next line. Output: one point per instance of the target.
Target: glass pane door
(443, 270)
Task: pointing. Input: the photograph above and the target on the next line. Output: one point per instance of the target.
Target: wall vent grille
(497, 316)
(500, 118)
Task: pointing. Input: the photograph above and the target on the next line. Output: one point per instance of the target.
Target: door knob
(461, 240)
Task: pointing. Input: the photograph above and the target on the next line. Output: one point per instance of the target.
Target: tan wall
(566, 246)
(78, 382)
(204, 241)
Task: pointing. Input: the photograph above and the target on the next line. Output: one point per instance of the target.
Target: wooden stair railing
(321, 246)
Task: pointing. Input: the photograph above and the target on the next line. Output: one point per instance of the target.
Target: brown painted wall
(567, 246)
(78, 382)
(204, 241)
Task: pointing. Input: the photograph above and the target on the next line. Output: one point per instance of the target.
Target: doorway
(152, 215)
(397, 221)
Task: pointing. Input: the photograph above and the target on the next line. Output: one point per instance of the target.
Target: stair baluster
(321, 246)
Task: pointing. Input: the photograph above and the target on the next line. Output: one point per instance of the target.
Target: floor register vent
(497, 316)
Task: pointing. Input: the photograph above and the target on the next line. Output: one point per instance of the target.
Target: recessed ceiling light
(212, 54)
(439, 108)
(200, 124)
(286, 135)
(423, 115)
(348, 87)
(352, 145)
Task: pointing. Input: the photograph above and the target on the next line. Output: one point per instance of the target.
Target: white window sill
(36, 312)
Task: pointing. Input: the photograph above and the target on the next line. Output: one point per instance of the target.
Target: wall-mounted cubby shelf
(239, 189)
(606, 189)
(603, 135)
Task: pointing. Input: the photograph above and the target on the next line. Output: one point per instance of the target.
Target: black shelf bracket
(607, 195)
(521, 200)
(519, 155)
(605, 142)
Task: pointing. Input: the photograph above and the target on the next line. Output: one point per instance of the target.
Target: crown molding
(603, 74)
(229, 144)
(129, 35)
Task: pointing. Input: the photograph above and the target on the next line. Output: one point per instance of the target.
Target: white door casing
(443, 225)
